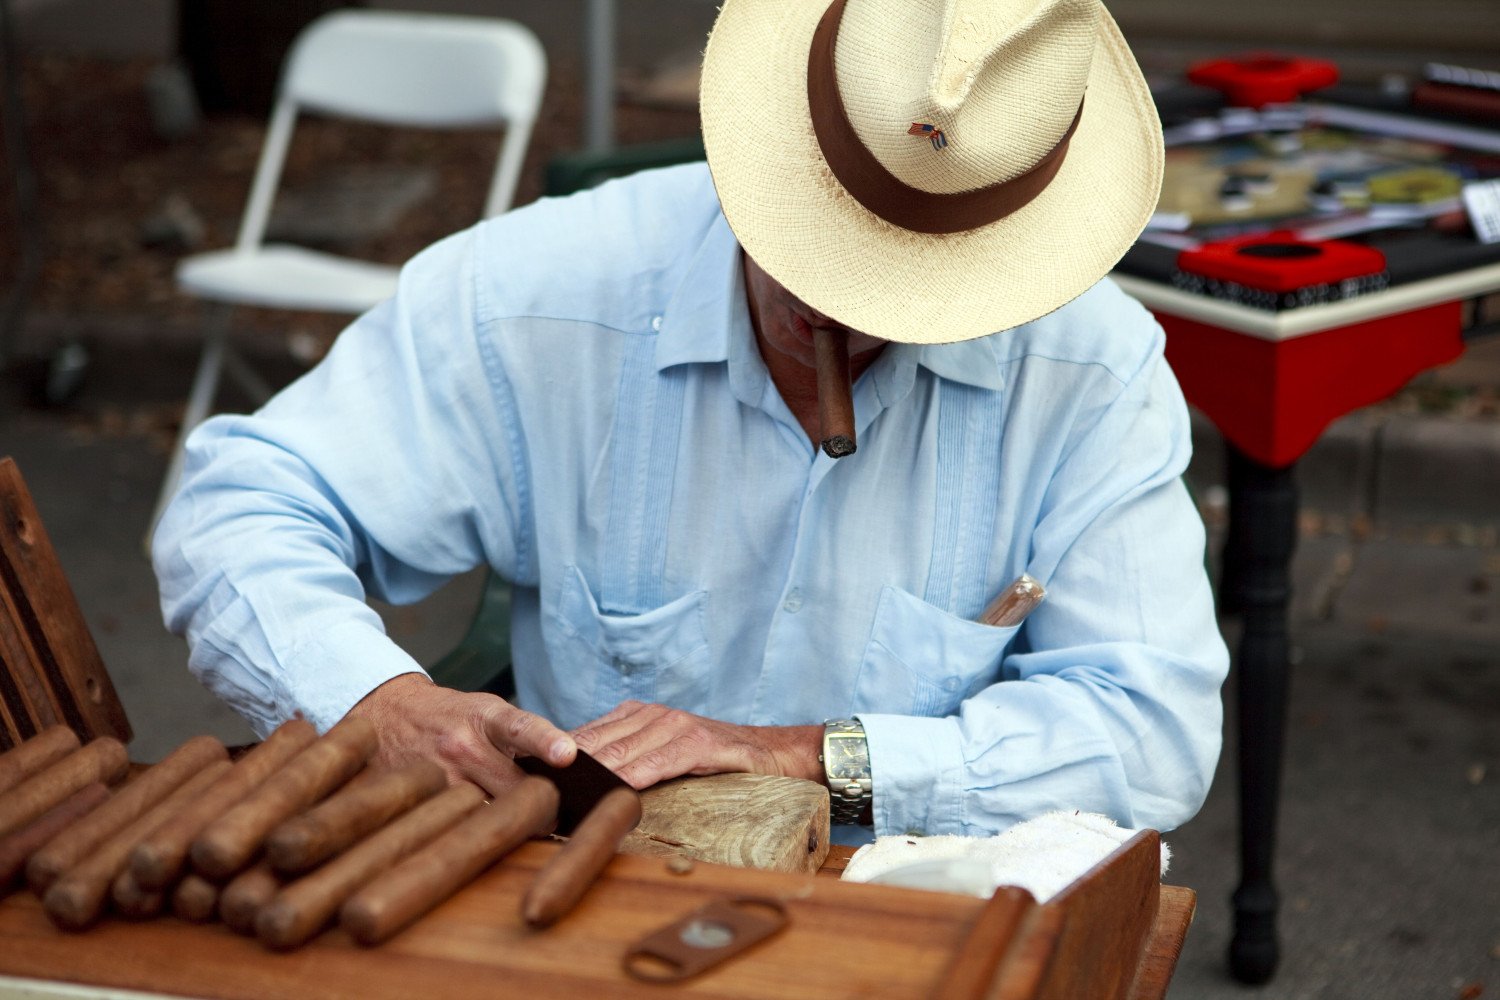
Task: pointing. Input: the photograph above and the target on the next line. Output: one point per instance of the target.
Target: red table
(1272, 374)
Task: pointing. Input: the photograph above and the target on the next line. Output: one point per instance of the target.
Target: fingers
(639, 745)
(620, 711)
(495, 779)
(645, 744)
(472, 736)
(625, 719)
(519, 733)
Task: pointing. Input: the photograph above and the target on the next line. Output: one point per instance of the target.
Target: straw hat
(961, 166)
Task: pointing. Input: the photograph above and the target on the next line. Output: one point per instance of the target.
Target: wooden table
(843, 939)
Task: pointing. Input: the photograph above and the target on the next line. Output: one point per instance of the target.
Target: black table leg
(1256, 585)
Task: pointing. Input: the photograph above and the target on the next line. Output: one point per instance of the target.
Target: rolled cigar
(102, 760)
(1014, 603)
(160, 858)
(835, 401)
(242, 899)
(77, 898)
(21, 762)
(195, 899)
(562, 882)
(133, 901)
(353, 811)
(305, 907)
(130, 802)
(440, 869)
(17, 847)
(230, 842)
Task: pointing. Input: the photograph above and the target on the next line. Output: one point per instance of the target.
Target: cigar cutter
(714, 933)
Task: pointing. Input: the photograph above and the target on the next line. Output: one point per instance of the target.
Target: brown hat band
(877, 189)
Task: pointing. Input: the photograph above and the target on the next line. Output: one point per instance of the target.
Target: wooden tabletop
(843, 940)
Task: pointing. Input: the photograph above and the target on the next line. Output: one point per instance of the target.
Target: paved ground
(1390, 827)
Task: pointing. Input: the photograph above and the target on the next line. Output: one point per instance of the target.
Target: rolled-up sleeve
(384, 471)
(1109, 700)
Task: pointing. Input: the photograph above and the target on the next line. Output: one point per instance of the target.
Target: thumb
(525, 734)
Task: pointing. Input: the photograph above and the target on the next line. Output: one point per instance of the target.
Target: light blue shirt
(572, 395)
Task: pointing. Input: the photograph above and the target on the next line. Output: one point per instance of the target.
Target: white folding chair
(385, 67)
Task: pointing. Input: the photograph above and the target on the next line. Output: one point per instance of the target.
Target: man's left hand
(646, 743)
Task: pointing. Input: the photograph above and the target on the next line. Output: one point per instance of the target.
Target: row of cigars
(299, 831)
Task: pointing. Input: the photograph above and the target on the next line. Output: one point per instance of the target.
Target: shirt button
(656, 322)
(793, 602)
(624, 666)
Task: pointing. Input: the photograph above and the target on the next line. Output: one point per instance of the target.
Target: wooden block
(50, 670)
(745, 820)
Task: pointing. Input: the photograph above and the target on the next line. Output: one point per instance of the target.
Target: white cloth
(1042, 855)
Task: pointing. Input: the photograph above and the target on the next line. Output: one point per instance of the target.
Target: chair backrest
(402, 68)
(50, 671)
(417, 69)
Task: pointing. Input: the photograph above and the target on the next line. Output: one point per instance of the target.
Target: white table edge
(1265, 324)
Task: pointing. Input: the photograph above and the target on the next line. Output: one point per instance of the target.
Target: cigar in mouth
(835, 402)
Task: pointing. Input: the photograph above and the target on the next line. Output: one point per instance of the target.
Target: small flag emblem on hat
(929, 132)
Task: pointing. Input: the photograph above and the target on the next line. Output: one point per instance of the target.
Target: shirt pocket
(921, 660)
(661, 655)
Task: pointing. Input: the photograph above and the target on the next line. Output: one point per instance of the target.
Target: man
(611, 401)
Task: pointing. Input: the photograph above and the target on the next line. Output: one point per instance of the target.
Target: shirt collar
(708, 307)
(971, 362)
(707, 320)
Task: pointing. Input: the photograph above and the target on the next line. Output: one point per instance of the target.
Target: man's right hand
(473, 736)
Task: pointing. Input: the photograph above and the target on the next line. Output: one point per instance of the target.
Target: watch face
(849, 757)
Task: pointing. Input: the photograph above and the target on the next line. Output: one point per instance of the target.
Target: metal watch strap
(847, 768)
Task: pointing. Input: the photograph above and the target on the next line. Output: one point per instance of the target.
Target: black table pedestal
(1256, 586)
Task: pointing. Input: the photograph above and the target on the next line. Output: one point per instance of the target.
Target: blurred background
(139, 123)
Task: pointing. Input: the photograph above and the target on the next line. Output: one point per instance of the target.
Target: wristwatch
(846, 763)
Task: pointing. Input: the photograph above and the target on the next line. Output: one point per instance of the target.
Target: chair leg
(237, 368)
(200, 399)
